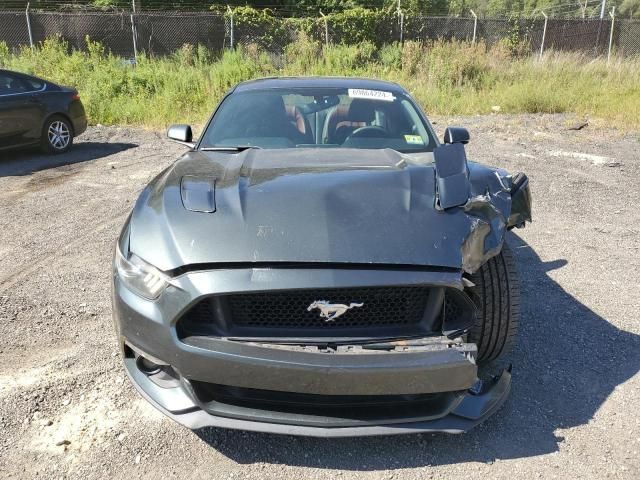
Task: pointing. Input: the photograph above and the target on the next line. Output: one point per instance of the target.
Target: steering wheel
(369, 131)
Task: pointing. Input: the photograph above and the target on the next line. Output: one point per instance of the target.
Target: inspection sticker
(414, 139)
(371, 94)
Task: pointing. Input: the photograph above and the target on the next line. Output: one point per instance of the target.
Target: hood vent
(198, 193)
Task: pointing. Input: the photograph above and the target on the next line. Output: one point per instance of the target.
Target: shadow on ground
(26, 162)
(567, 362)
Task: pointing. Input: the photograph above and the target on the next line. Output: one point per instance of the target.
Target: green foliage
(4, 53)
(517, 40)
(352, 26)
(312, 8)
(261, 25)
(447, 78)
(391, 56)
(347, 59)
(303, 54)
(630, 8)
(358, 24)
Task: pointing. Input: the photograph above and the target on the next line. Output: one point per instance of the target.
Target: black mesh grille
(381, 307)
(452, 309)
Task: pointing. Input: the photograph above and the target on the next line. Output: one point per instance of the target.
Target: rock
(137, 460)
(495, 108)
(66, 402)
(65, 442)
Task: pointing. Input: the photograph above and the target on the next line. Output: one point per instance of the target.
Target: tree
(630, 8)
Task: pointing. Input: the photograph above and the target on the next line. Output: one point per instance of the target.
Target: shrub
(444, 77)
(391, 56)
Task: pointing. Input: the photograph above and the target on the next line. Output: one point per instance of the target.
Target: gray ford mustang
(318, 263)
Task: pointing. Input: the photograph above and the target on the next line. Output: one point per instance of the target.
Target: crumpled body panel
(319, 206)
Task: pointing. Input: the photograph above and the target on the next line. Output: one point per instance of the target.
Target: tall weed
(445, 77)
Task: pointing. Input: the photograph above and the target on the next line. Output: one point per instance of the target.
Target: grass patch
(446, 78)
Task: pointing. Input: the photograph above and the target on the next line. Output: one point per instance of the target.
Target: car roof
(25, 75)
(12, 72)
(318, 82)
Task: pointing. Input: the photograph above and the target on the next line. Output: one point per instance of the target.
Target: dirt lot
(67, 410)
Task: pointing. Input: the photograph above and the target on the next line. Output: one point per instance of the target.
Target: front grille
(381, 307)
(385, 311)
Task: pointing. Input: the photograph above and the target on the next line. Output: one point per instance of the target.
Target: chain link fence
(627, 35)
(114, 31)
(161, 33)
(13, 29)
(433, 28)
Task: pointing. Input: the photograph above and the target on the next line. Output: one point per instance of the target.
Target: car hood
(315, 206)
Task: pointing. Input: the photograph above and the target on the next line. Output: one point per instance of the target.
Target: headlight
(144, 279)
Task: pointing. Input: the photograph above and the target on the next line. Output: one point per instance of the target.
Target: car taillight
(76, 96)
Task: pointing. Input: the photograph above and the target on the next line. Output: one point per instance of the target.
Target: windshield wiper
(239, 148)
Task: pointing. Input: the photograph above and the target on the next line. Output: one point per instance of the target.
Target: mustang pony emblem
(331, 311)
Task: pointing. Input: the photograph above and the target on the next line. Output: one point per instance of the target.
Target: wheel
(57, 135)
(497, 296)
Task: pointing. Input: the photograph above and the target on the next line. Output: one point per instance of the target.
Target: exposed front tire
(497, 296)
(57, 135)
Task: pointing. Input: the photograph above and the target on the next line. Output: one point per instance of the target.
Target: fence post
(544, 33)
(326, 28)
(230, 26)
(401, 27)
(135, 40)
(29, 25)
(475, 25)
(604, 2)
(612, 14)
(134, 33)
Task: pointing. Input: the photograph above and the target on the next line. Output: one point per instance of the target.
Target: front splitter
(471, 411)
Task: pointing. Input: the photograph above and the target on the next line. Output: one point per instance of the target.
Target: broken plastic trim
(520, 202)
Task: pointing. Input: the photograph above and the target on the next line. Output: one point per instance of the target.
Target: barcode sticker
(371, 94)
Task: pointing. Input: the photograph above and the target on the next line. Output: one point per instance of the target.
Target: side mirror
(456, 135)
(452, 176)
(181, 134)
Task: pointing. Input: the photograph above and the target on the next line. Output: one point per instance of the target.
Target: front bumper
(472, 409)
(439, 377)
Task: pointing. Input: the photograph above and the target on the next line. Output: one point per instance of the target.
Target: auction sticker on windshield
(414, 139)
(371, 94)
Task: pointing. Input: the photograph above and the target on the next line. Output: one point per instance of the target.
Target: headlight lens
(144, 279)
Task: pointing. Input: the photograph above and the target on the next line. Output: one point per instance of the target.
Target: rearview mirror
(456, 135)
(181, 134)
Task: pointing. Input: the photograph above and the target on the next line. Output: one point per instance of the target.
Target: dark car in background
(320, 264)
(38, 112)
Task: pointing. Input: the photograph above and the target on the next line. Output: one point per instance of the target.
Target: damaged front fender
(493, 200)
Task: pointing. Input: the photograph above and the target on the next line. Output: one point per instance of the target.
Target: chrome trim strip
(25, 93)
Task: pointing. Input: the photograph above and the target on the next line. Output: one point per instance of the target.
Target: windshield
(318, 118)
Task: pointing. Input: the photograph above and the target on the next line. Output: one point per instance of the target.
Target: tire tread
(497, 296)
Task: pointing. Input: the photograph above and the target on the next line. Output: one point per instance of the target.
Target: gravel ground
(67, 410)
